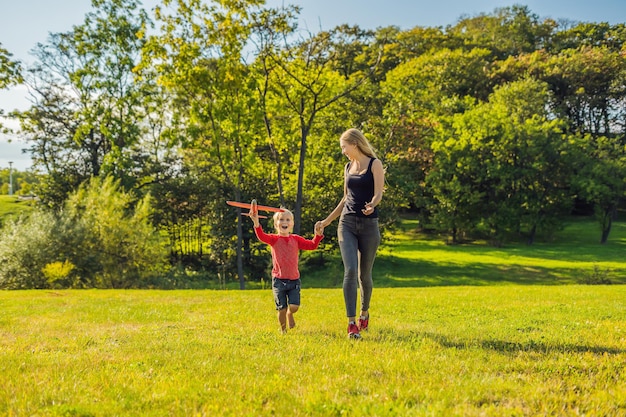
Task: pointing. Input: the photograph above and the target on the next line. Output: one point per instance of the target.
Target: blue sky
(24, 23)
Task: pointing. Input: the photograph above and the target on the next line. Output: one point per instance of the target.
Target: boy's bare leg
(290, 312)
(282, 319)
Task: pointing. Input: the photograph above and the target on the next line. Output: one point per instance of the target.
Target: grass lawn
(11, 207)
(412, 259)
(466, 330)
(515, 350)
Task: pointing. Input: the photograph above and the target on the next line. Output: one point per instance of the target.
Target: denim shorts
(286, 291)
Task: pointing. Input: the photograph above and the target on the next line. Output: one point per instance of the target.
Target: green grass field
(411, 259)
(11, 207)
(467, 330)
(514, 350)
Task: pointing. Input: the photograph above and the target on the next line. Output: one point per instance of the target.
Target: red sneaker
(364, 322)
(353, 331)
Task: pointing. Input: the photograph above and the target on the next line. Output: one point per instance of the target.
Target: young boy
(286, 248)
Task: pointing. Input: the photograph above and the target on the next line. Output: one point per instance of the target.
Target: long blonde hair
(355, 137)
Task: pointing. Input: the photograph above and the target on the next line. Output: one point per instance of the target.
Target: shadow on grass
(412, 259)
(572, 251)
(501, 346)
(393, 272)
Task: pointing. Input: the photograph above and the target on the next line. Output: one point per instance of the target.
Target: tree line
(497, 126)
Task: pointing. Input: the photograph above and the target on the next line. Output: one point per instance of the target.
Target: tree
(303, 85)
(120, 248)
(508, 31)
(10, 74)
(88, 106)
(199, 56)
(502, 164)
(601, 178)
(420, 95)
(587, 84)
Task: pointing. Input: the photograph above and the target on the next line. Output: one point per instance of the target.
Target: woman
(358, 232)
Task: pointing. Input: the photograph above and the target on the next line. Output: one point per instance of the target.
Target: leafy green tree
(587, 84)
(585, 35)
(121, 248)
(420, 94)
(508, 31)
(10, 74)
(502, 164)
(303, 85)
(199, 56)
(89, 109)
(601, 178)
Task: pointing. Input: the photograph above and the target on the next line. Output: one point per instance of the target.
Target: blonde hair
(356, 137)
(278, 214)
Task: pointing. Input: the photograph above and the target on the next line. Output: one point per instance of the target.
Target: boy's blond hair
(279, 213)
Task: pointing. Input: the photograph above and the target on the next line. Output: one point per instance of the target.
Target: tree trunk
(298, 208)
(532, 234)
(606, 224)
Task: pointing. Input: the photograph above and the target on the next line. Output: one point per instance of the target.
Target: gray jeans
(359, 238)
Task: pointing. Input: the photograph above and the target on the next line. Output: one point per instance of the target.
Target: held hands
(319, 228)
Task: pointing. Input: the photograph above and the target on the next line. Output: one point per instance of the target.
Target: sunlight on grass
(471, 351)
(412, 259)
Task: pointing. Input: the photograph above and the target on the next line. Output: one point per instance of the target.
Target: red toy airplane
(258, 207)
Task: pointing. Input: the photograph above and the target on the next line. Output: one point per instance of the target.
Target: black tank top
(359, 190)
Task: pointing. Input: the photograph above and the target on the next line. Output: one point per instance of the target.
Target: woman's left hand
(368, 209)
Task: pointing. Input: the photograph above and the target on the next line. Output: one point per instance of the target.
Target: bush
(27, 245)
(100, 239)
(596, 277)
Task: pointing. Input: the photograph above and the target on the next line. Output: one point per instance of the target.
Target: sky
(25, 23)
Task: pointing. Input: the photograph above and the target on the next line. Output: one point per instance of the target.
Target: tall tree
(508, 31)
(199, 56)
(502, 164)
(87, 111)
(306, 84)
(10, 74)
(601, 178)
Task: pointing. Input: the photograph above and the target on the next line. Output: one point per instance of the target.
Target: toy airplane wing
(258, 206)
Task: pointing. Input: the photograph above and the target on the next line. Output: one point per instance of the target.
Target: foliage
(121, 248)
(57, 274)
(24, 182)
(489, 127)
(26, 247)
(88, 115)
(601, 178)
(10, 73)
(501, 164)
(102, 238)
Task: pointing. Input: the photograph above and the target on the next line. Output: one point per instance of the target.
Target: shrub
(101, 238)
(597, 276)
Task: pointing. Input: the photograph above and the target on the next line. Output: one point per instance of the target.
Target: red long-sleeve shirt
(285, 252)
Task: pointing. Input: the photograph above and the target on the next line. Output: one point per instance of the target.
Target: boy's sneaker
(353, 331)
(364, 322)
